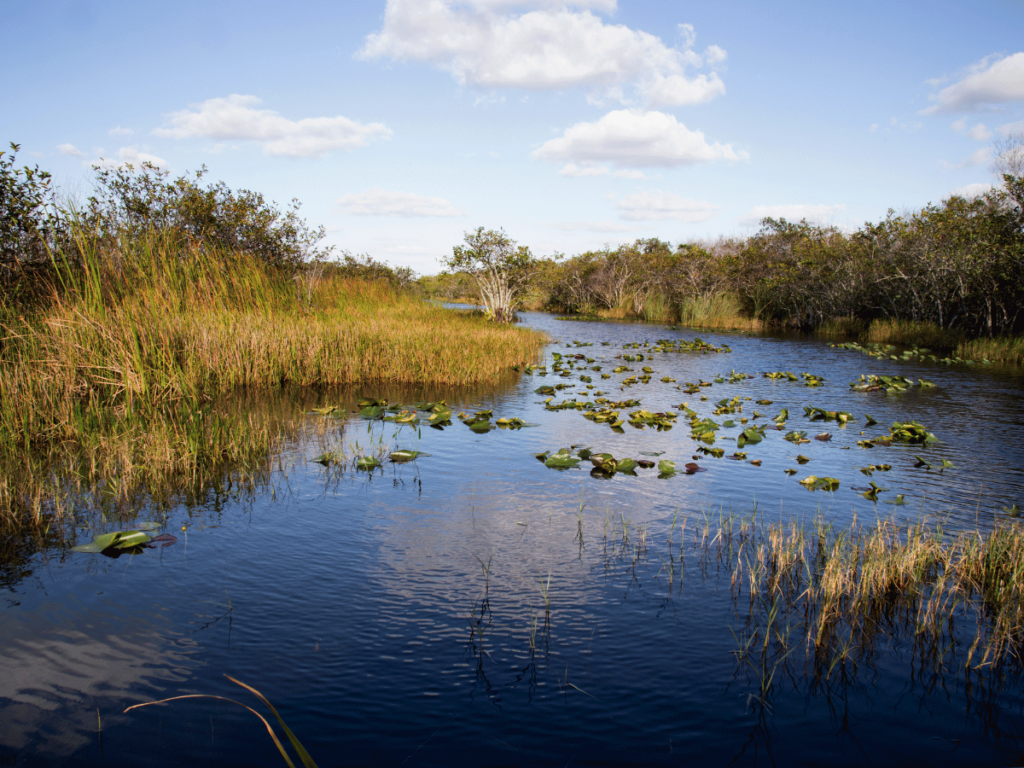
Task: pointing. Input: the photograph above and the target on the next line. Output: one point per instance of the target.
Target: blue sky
(401, 124)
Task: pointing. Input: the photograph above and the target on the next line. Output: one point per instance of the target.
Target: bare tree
(1009, 154)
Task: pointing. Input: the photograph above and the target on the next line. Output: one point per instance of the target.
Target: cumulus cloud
(977, 157)
(991, 81)
(817, 214)
(977, 132)
(544, 46)
(634, 139)
(571, 169)
(70, 149)
(237, 118)
(119, 131)
(659, 206)
(127, 155)
(385, 202)
(971, 191)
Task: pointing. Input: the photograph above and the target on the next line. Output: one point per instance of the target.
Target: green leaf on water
(404, 455)
(367, 462)
(115, 540)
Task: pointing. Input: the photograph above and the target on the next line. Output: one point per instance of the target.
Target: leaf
(367, 462)
(789, 471)
(404, 455)
(666, 467)
(801, 459)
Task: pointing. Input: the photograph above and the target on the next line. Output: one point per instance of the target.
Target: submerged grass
(113, 380)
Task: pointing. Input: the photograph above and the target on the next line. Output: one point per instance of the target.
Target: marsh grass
(719, 311)
(1009, 349)
(838, 592)
(112, 383)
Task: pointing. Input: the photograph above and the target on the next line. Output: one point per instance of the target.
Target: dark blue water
(476, 608)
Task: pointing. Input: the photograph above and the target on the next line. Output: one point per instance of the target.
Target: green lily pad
(404, 455)
(367, 462)
(115, 540)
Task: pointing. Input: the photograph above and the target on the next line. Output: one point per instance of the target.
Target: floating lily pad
(814, 483)
(404, 455)
(115, 540)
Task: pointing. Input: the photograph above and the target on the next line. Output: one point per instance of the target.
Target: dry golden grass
(111, 377)
(838, 590)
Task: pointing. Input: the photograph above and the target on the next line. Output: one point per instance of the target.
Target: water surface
(477, 608)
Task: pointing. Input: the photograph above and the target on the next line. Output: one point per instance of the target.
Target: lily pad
(115, 540)
(404, 455)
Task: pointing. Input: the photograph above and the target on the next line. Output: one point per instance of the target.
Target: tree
(500, 267)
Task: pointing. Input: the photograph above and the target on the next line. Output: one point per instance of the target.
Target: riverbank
(114, 377)
(723, 314)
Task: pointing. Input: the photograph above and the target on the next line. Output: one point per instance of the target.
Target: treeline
(958, 266)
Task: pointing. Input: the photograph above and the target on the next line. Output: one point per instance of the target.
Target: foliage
(128, 202)
(27, 224)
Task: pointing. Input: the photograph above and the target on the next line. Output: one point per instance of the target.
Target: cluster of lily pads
(606, 465)
(734, 411)
(887, 352)
(808, 379)
(871, 383)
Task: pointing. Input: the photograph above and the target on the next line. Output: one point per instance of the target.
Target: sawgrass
(114, 379)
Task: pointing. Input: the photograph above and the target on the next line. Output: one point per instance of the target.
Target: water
(449, 611)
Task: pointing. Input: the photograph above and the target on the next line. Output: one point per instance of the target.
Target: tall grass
(1008, 349)
(835, 592)
(119, 370)
(719, 310)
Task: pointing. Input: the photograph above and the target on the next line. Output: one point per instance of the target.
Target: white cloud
(1009, 128)
(571, 169)
(70, 149)
(126, 155)
(971, 190)
(384, 202)
(978, 132)
(236, 117)
(977, 157)
(547, 46)
(817, 214)
(119, 131)
(658, 206)
(630, 175)
(714, 55)
(987, 84)
(634, 139)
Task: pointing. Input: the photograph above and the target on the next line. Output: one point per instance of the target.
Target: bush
(130, 201)
(28, 223)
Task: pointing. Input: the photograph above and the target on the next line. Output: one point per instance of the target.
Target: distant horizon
(400, 125)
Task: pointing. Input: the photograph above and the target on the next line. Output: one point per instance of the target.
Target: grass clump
(836, 592)
(116, 376)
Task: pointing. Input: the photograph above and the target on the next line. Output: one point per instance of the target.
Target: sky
(400, 125)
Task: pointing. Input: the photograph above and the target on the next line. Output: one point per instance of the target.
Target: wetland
(648, 544)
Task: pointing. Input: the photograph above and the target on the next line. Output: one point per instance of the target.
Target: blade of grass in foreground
(307, 761)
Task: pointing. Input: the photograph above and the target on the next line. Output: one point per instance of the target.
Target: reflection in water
(60, 665)
(476, 607)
